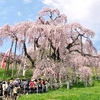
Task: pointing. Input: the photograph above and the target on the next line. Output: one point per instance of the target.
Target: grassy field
(75, 93)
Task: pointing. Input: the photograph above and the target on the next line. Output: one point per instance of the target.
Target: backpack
(31, 84)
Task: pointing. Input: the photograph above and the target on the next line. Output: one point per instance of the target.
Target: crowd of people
(13, 88)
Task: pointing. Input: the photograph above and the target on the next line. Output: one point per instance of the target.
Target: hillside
(75, 93)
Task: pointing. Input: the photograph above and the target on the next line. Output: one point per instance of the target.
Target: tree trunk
(28, 56)
(81, 45)
(14, 61)
(8, 61)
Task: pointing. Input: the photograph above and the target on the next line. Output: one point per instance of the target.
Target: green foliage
(88, 93)
(28, 74)
(1, 74)
(8, 75)
(5, 75)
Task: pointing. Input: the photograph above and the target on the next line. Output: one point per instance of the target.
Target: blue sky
(13, 11)
(85, 12)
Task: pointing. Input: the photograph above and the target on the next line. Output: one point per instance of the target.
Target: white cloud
(74, 9)
(48, 2)
(27, 1)
(85, 12)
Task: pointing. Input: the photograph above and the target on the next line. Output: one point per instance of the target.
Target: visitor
(1, 91)
(31, 86)
(4, 86)
(39, 85)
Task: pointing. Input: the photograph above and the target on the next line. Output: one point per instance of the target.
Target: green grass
(89, 93)
(77, 92)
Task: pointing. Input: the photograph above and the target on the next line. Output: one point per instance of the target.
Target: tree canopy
(56, 44)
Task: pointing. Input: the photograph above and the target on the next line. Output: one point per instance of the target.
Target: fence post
(67, 84)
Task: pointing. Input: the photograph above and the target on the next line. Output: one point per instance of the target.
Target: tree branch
(83, 54)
